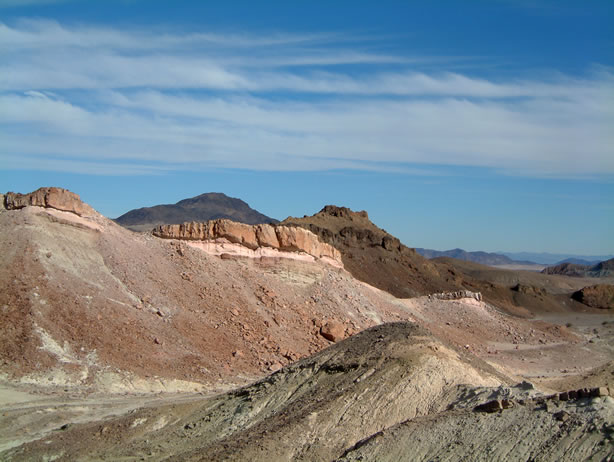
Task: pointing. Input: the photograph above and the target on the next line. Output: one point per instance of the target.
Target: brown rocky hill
(88, 303)
(375, 256)
(597, 296)
(599, 270)
(209, 206)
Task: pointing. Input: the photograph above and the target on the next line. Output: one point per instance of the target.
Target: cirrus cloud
(89, 96)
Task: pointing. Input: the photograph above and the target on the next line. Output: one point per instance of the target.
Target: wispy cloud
(147, 101)
(21, 3)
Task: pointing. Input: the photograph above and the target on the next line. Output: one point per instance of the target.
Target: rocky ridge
(282, 238)
(51, 197)
(374, 256)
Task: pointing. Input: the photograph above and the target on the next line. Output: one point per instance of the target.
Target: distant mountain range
(484, 258)
(514, 258)
(209, 206)
(601, 269)
(545, 258)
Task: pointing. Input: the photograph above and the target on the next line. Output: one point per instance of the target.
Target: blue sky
(486, 125)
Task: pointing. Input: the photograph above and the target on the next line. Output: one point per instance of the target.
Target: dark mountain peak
(342, 212)
(204, 207)
(210, 197)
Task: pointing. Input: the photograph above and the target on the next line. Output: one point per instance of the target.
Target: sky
(484, 125)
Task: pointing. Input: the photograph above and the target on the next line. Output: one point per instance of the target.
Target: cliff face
(283, 238)
(55, 198)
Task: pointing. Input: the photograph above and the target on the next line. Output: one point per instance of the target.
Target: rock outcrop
(597, 296)
(373, 255)
(529, 290)
(282, 238)
(55, 198)
(458, 295)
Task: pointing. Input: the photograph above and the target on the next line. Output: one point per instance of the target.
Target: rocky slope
(392, 392)
(209, 206)
(374, 256)
(378, 258)
(597, 296)
(86, 303)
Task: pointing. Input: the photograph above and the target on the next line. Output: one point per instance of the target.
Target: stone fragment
(491, 406)
(598, 392)
(583, 393)
(507, 403)
(561, 416)
(333, 331)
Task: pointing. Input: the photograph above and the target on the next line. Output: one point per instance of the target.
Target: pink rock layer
(282, 238)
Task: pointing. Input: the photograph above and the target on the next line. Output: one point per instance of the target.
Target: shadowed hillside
(374, 256)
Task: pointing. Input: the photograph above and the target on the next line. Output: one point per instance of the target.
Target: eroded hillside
(96, 317)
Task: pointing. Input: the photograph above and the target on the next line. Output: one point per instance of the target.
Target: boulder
(491, 406)
(333, 331)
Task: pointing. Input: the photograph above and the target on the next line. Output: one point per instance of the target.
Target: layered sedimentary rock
(253, 237)
(55, 198)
